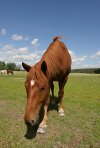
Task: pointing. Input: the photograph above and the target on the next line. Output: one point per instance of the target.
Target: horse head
(37, 88)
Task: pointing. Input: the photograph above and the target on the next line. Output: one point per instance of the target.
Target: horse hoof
(41, 130)
(43, 126)
(61, 114)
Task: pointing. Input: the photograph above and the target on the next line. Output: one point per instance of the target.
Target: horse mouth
(31, 131)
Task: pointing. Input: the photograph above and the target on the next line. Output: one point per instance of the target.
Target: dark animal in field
(10, 72)
(55, 65)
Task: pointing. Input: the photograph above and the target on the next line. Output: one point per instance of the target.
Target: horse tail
(56, 38)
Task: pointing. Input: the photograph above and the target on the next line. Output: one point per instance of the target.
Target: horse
(55, 65)
(10, 72)
(3, 71)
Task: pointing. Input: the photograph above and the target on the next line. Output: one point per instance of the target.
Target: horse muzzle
(33, 126)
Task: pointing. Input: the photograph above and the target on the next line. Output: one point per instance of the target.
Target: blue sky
(27, 27)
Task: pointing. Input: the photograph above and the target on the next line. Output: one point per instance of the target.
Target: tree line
(86, 70)
(10, 66)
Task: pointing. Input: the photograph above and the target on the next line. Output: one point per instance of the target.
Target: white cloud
(75, 58)
(17, 37)
(3, 31)
(23, 57)
(8, 48)
(78, 61)
(23, 50)
(10, 54)
(35, 42)
(95, 55)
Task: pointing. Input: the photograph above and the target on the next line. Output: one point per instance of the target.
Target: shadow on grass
(53, 106)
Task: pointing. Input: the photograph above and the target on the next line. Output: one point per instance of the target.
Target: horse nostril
(32, 122)
(28, 123)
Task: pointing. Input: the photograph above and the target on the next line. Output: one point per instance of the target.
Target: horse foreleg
(43, 124)
(44, 121)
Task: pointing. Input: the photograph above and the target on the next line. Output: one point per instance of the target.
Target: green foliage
(10, 66)
(86, 70)
(97, 71)
(2, 65)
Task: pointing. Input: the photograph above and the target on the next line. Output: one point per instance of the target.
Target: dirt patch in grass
(3, 102)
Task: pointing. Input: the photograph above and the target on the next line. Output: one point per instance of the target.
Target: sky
(27, 28)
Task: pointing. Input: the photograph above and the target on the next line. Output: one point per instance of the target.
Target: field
(80, 128)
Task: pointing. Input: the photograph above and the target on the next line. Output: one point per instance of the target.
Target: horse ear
(44, 67)
(26, 67)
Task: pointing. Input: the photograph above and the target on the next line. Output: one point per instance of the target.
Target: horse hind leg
(52, 90)
(60, 97)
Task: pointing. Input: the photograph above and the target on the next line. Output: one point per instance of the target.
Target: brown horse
(55, 65)
(10, 72)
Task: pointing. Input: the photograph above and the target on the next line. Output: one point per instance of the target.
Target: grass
(80, 128)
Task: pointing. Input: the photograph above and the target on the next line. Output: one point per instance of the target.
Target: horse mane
(56, 38)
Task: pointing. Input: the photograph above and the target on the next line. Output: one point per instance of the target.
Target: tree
(2, 65)
(11, 66)
(97, 71)
(17, 68)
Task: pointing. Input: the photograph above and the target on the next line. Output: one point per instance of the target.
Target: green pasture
(80, 128)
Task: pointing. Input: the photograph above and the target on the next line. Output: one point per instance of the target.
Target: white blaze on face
(32, 82)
